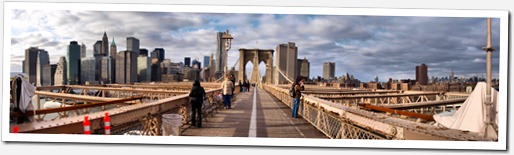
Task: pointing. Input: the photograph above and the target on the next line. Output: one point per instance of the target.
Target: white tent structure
(471, 116)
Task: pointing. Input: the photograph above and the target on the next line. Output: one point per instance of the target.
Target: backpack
(291, 92)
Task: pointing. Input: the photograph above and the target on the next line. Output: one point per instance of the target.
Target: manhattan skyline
(364, 46)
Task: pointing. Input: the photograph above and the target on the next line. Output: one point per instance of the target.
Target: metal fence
(337, 121)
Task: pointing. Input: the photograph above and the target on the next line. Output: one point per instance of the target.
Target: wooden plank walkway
(272, 119)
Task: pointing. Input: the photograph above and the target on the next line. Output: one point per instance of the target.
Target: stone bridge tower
(256, 56)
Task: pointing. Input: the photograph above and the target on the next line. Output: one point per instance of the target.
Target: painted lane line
(291, 121)
(253, 120)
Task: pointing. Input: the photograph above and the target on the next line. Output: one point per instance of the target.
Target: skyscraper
(112, 55)
(158, 53)
(286, 62)
(156, 70)
(105, 44)
(329, 70)
(221, 53)
(73, 63)
(206, 61)
(106, 74)
(43, 69)
(212, 66)
(60, 77)
(125, 72)
(133, 45)
(303, 67)
(196, 64)
(97, 48)
(53, 68)
(30, 63)
(83, 52)
(88, 67)
(187, 61)
(143, 68)
(113, 49)
(421, 74)
(143, 51)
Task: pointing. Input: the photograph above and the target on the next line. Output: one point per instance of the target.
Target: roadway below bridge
(255, 114)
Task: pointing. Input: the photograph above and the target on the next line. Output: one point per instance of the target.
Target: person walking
(233, 80)
(240, 86)
(197, 95)
(298, 88)
(227, 89)
(248, 85)
(244, 86)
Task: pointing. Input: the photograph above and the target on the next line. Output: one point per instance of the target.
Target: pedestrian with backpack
(296, 92)
(197, 95)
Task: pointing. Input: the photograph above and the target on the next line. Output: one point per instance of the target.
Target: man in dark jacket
(197, 95)
(233, 79)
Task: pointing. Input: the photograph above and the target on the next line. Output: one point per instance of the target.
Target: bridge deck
(272, 119)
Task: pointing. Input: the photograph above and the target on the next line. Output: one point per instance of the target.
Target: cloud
(365, 46)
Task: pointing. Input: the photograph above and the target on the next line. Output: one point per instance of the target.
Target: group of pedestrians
(197, 96)
(245, 86)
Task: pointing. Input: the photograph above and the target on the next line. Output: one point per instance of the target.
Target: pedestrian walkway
(255, 114)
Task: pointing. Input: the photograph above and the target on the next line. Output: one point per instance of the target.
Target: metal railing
(339, 121)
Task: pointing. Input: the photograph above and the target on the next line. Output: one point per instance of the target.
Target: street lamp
(228, 44)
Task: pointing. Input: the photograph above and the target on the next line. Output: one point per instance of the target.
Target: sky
(363, 46)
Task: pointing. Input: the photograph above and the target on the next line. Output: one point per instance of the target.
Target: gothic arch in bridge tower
(256, 56)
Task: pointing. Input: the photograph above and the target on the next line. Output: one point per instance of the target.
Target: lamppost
(228, 44)
(490, 126)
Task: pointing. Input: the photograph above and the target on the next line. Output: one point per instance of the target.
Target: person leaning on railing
(298, 88)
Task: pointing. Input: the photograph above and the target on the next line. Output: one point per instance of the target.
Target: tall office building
(30, 63)
(329, 70)
(97, 47)
(187, 61)
(43, 69)
(143, 52)
(112, 55)
(106, 74)
(105, 44)
(221, 53)
(60, 77)
(73, 63)
(83, 52)
(156, 70)
(158, 53)
(286, 61)
(187, 70)
(206, 61)
(53, 68)
(166, 66)
(113, 49)
(421, 74)
(125, 72)
(133, 45)
(88, 67)
(303, 67)
(143, 68)
(196, 64)
(212, 66)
